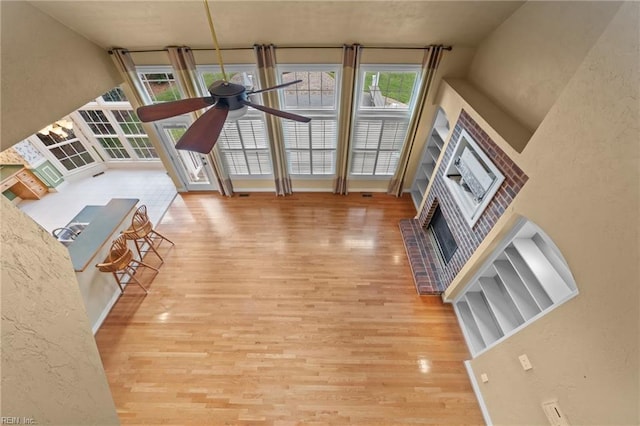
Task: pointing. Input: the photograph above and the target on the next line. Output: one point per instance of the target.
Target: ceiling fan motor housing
(229, 94)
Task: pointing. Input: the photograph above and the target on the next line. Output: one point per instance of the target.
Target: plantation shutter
(311, 146)
(376, 146)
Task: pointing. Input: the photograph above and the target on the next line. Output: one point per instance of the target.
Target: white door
(192, 167)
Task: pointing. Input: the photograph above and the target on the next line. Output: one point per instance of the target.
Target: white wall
(51, 369)
(47, 71)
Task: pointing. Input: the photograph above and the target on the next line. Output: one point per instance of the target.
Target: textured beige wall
(525, 63)
(583, 163)
(47, 71)
(51, 369)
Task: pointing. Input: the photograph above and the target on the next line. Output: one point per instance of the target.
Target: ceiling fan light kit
(228, 101)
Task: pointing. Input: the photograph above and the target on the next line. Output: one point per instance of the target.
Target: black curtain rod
(291, 47)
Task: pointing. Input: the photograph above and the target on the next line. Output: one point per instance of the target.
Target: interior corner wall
(584, 192)
(48, 71)
(51, 369)
(526, 62)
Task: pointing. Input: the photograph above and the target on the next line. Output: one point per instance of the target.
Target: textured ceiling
(241, 23)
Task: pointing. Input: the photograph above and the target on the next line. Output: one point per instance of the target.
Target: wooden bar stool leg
(146, 265)
(151, 247)
(115, 275)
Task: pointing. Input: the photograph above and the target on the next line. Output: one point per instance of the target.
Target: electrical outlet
(484, 377)
(524, 361)
(554, 414)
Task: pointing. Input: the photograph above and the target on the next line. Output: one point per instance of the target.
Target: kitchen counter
(99, 289)
(105, 222)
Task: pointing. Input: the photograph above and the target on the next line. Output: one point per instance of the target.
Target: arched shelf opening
(525, 278)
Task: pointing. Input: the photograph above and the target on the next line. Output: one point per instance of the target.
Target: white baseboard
(476, 390)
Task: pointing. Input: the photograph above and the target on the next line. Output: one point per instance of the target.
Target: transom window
(159, 84)
(311, 147)
(386, 96)
(388, 89)
(316, 91)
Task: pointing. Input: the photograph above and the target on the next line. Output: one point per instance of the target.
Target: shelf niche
(523, 280)
(433, 148)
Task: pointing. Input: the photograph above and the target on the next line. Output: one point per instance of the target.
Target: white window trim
(44, 150)
(332, 113)
(156, 69)
(108, 109)
(364, 113)
(252, 113)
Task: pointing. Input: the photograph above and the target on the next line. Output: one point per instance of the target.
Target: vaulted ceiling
(241, 23)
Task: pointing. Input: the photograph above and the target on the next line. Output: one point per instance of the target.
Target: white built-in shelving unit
(432, 149)
(524, 279)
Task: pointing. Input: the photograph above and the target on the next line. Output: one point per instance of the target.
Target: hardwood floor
(296, 310)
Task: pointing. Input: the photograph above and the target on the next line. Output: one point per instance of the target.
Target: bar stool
(141, 232)
(121, 263)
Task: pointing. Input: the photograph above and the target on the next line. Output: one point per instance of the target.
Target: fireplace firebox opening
(442, 235)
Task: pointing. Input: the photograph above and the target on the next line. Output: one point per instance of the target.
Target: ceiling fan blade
(170, 109)
(277, 112)
(204, 132)
(279, 86)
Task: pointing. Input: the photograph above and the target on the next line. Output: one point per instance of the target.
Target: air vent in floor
(243, 195)
(367, 195)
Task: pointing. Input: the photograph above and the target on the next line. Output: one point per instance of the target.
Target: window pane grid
(142, 147)
(129, 122)
(52, 139)
(113, 148)
(97, 122)
(160, 86)
(316, 91)
(127, 131)
(72, 154)
(115, 95)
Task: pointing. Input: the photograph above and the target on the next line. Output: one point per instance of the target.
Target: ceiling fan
(202, 135)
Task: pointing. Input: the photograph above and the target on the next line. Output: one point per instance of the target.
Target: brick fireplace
(431, 274)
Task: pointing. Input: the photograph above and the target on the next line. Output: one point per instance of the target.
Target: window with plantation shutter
(244, 147)
(384, 106)
(311, 147)
(242, 143)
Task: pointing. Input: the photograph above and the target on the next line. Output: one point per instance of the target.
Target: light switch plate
(554, 414)
(484, 377)
(524, 361)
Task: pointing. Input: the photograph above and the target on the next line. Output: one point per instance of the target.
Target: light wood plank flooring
(283, 311)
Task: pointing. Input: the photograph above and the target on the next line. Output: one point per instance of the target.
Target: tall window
(243, 142)
(385, 102)
(311, 147)
(110, 119)
(63, 143)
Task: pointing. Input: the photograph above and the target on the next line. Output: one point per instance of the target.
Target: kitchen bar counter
(99, 289)
(104, 224)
